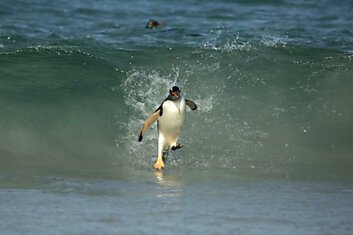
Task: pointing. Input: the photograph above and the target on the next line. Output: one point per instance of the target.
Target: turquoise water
(268, 151)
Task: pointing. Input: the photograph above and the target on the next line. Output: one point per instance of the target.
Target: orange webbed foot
(159, 165)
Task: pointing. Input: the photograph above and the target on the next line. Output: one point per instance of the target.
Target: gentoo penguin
(153, 23)
(170, 119)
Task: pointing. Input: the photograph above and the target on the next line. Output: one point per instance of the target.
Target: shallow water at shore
(174, 202)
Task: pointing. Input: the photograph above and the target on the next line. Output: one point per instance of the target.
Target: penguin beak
(175, 93)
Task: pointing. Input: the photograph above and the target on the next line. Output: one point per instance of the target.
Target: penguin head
(153, 23)
(174, 93)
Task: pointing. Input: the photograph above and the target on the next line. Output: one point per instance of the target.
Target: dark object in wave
(153, 23)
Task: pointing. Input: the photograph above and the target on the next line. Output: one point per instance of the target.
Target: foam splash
(273, 41)
(224, 42)
(143, 93)
(227, 45)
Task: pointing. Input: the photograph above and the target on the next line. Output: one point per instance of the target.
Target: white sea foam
(229, 45)
(143, 93)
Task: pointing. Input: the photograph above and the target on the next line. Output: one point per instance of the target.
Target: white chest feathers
(173, 116)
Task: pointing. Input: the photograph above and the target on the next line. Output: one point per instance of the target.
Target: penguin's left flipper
(149, 121)
(191, 104)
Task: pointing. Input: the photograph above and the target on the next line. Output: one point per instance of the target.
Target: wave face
(273, 100)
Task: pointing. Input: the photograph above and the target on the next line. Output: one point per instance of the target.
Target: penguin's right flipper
(191, 104)
(149, 121)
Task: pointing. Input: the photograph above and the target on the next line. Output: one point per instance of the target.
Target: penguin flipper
(191, 104)
(149, 121)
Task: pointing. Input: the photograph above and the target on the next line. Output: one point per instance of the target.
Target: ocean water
(269, 150)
